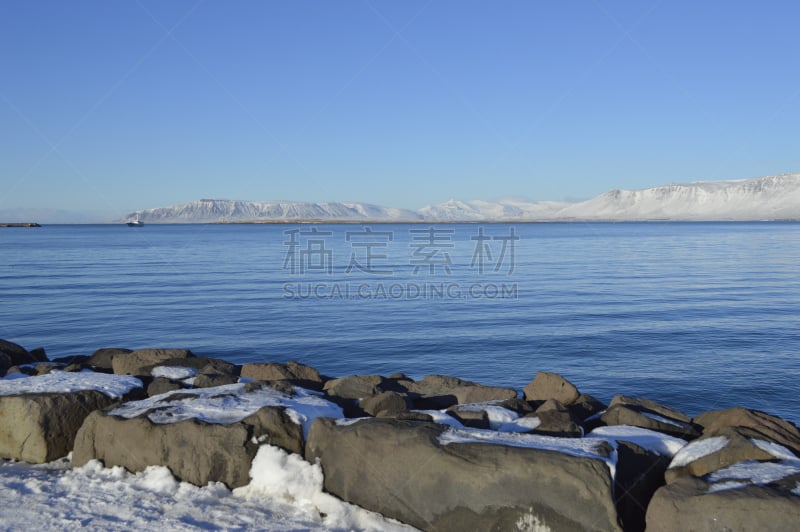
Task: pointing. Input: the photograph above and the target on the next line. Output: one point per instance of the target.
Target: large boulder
(354, 387)
(546, 386)
(194, 451)
(407, 471)
(636, 416)
(201, 435)
(140, 362)
(293, 372)
(727, 446)
(441, 391)
(701, 505)
(101, 359)
(754, 424)
(39, 426)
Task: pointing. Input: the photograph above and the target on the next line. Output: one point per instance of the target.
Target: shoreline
(496, 454)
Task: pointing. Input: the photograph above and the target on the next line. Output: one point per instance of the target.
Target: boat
(136, 223)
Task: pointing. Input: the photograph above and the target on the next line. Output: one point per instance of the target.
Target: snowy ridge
(764, 198)
(216, 210)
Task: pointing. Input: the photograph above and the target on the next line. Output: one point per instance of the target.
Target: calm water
(699, 316)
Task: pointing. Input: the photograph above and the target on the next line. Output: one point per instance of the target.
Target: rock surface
(39, 428)
(193, 450)
(293, 372)
(546, 386)
(687, 504)
(400, 469)
(139, 363)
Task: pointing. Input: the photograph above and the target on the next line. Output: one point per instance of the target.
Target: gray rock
(39, 428)
(15, 354)
(687, 504)
(586, 406)
(101, 359)
(559, 423)
(385, 404)
(551, 386)
(38, 354)
(642, 404)
(354, 386)
(162, 385)
(194, 451)
(294, 372)
(520, 406)
(625, 415)
(470, 417)
(398, 468)
(752, 423)
(209, 380)
(203, 365)
(139, 363)
(739, 448)
(440, 391)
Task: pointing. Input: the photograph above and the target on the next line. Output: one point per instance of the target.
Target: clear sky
(123, 105)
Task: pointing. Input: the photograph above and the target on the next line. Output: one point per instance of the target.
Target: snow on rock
(278, 475)
(698, 449)
(175, 373)
(776, 450)
(752, 472)
(114, 386)
(650, 440)
(500, 419)
(581, 447)
(229, 404)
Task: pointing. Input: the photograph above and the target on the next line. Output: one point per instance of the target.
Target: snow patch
(752, 472)
(228, 404)
(778, 451)
(286, 477)
(54, 497)
(175, 373)
(530, 523)
(698, 449)
(114, 386)
(647, 439)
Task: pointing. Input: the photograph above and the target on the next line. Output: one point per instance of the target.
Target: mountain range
(764, 198)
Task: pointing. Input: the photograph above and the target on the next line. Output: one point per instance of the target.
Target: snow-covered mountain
(492, 210)
(764, 198)
(214, 210)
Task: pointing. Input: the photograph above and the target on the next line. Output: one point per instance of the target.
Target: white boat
(136, 223)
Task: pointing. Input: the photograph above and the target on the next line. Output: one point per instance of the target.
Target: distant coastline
(20, 224)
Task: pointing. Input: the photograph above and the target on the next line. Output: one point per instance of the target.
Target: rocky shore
(438, 453)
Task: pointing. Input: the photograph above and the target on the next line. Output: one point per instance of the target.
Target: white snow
(56, 381)
(281, 476)
(229, 404)
(752, 472)
(175, 373)
(581, 447)
(698, 449)
(53, 497)
(647, 439)
(776, 450)
(502, 419)
(796, 490)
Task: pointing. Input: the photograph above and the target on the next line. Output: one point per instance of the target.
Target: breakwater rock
(439, 453)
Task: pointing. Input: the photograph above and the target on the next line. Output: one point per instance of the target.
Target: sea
(699, 316)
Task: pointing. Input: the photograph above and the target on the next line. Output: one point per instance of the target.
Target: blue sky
(120, 105)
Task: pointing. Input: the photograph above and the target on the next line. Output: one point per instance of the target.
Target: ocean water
(697, 315)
